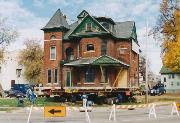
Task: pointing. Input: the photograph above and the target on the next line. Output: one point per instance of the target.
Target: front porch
(102, 72)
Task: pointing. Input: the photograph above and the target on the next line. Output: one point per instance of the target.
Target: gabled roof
(105, 19)
(72, 27)
(81, 62)
(57, 21)
(82, 14)
(107, 60)
(76, 25)
(123, 29)
(102, 60)
(165, 70)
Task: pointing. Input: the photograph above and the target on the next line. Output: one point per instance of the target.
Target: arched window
(90, 47)
(69, 54)
(53, 37)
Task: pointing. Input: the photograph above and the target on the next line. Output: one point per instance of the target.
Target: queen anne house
(94, 52)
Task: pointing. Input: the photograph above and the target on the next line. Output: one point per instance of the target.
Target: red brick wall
(123, 57)
(134, 76)
(97, 47)
(110, 47)
(52, 64)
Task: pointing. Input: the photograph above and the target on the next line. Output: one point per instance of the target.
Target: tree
(167, 30)
(32, 59)
(7, 35)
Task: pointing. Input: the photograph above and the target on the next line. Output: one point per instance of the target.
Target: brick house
(91, 52)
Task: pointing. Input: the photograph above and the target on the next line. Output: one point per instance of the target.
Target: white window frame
(55, 53)
(18, 72)
(55, 74)
(122, 49)
(54, 37)
(86, 26)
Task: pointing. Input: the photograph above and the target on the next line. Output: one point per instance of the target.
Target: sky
(29, 16)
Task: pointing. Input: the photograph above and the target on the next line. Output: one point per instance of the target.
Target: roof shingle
(123, 29)
(57, 21)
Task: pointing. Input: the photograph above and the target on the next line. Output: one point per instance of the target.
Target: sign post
(55, 111)
(113, 112)
(152, 111)
(86, 112)
(30, 114)
(174, 109)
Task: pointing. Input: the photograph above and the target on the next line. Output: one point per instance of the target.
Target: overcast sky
(29, 16)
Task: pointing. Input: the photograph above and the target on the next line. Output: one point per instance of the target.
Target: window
(49, 76)
(18, 72)
(78, 74)
(52, 53)
(106, 25)
(122, 50)
(173, 76)
(104, 47)
(172, 83)
(53, 37)
(55, 75)
(164, 79)
(69, 54)
(90, 47)
(169, 76)
(89, 75)
(177, 83)
(88, 27)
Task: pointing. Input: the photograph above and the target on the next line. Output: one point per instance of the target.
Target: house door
(68, 79)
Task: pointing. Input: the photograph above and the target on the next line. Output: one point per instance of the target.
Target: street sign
(178, 106)
(54, 111)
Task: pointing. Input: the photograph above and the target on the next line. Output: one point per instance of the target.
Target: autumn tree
(7, 35)
(167, 31)
(31, 57)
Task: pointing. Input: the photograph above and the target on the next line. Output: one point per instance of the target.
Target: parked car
(15, 93)
(158, 89)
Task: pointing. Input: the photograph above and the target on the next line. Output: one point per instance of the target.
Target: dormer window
(88, 27)
(106, 25)
(53, 37)
(90, 47)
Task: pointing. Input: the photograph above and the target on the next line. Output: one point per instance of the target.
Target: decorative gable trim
(93, 20)
(82, 14)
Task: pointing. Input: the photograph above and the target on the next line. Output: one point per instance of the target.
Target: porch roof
(104, 60)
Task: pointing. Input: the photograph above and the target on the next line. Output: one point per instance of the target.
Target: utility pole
(146, 84)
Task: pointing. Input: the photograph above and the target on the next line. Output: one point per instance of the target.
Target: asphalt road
(98, 115)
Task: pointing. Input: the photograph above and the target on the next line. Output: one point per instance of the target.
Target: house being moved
(93, 52)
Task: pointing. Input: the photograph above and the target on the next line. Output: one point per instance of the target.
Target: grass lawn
(162, 98)
(42, 101)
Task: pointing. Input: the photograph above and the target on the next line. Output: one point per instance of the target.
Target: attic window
(90, 47)
(53, 37)
(106, 25)
(88, 27)
(122, 50)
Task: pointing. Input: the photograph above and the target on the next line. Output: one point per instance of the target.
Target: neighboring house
(91, 52)
(171, 80)
(10, 71)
